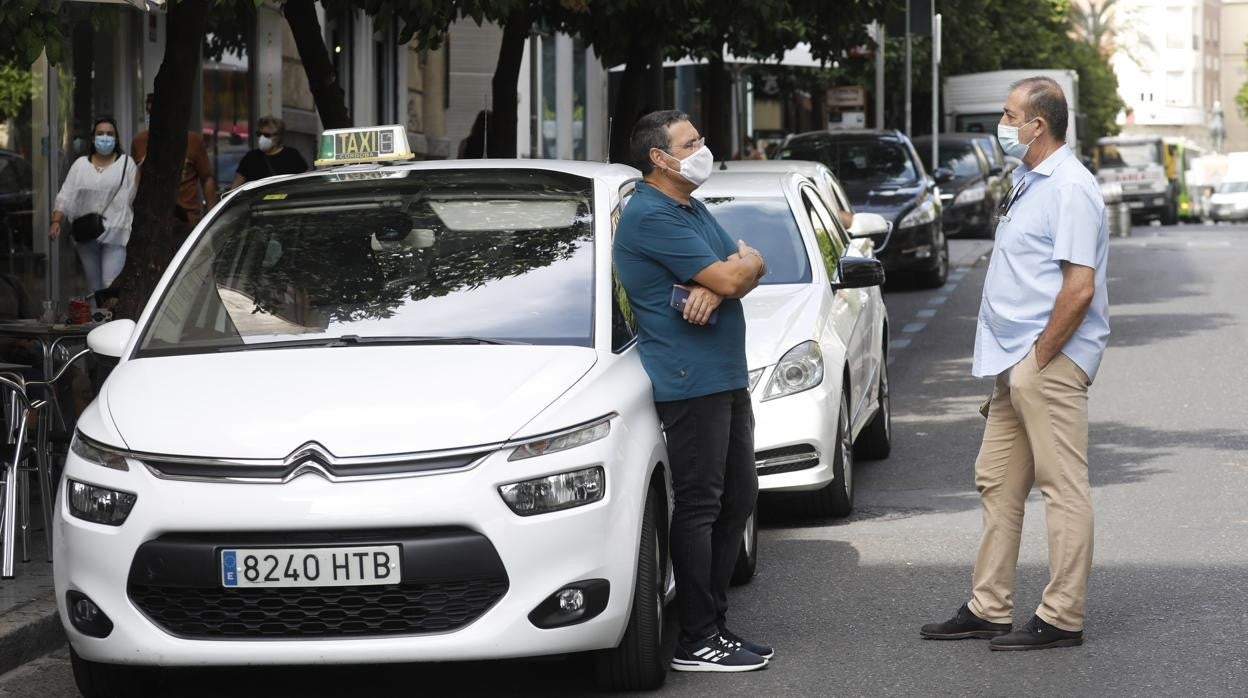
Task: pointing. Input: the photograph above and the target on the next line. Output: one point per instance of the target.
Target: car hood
(353, 401)
(886, 201)
(778, 318)
(1236, 197)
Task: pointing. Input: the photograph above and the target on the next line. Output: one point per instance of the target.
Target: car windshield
(959, 157)
(859, 162)
(1233, 187)
(1128, 154)
(767, 225)
(422, 256)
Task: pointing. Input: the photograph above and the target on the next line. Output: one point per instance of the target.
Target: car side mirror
(942, 175)
(868, 224)
(111, 338)
(859, 272)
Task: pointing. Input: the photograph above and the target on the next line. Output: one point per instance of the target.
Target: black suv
(883, 174)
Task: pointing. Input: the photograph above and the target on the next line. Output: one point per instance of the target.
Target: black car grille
(218, 613)
(788, 459)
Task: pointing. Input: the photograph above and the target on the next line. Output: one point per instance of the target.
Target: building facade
(1234, 59)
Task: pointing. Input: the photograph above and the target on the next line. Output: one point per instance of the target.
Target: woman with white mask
(94, 206)
(272, 157)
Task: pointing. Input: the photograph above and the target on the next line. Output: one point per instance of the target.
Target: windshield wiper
(356, 340)
(346, 339)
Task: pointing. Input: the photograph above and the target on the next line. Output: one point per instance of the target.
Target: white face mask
(265, 143)
(696, 168)
(1008, 136)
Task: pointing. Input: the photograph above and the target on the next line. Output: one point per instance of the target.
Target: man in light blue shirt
(1043, 327)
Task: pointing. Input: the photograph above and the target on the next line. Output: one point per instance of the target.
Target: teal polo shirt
(660, 242)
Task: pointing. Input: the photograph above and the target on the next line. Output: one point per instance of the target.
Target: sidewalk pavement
(29, 625)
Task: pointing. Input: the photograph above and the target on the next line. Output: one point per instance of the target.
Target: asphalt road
(842, 601)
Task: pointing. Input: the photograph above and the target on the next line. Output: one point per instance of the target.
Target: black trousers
(710, 442)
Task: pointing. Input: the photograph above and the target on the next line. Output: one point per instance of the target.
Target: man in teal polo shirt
(695, 358)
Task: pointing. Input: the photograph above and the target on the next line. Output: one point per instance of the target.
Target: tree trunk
(717, 111)
(631, 101)
(331, 102)
(156, 234)
(501, 136)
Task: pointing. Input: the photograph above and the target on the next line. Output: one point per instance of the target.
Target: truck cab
(1145, 169)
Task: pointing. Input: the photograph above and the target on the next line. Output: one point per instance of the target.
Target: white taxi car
(374, 413)
(816, 336)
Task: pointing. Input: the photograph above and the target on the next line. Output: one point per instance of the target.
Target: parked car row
(395, 412)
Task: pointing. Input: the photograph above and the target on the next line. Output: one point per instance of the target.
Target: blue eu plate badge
(229, 568)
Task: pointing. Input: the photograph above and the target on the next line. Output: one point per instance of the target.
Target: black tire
(747, 559)
(96, 680)
(876, 441)
(837, 498)
(641, 660)
(936, 277)
(1170, 215)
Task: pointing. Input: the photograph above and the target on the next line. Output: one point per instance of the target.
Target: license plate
(311, 567)
(1135, 204)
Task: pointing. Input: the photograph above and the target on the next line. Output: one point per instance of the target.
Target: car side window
(829, 237)
(623, 325)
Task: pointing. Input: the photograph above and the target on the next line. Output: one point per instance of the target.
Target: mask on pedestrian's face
(696, 167)
(265, 143)
(1008, 136)
(104, 144)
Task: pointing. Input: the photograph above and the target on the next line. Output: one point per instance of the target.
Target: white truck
(973, 102)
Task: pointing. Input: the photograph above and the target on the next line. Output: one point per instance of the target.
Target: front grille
(218, 613)
(787, 459)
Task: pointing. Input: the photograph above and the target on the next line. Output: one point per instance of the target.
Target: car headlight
(970, 196)
(99, 504)
(562, 441)
(555, 492)
(97, 454)
(799, 369)
(754, 376)
(922, 214)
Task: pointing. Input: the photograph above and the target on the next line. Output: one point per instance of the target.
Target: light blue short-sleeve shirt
(1058, 215)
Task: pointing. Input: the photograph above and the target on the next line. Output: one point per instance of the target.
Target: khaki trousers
(1037, 433)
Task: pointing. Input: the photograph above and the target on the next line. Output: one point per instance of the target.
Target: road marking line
(950, 288)
(914, 327)
(955, 277)
(926, 313)
(898, 344)
(937, 300)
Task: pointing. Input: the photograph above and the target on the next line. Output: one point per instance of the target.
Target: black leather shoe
(1037, 635)
(963, 625)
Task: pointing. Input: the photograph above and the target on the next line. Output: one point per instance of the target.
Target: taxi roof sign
(341, 146)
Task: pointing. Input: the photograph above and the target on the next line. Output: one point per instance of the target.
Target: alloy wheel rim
(847, 449)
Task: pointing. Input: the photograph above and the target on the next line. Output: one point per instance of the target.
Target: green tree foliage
(986, 35)
(15, 87)
(1241, 98)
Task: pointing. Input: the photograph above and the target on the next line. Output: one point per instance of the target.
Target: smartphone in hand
(680, 296)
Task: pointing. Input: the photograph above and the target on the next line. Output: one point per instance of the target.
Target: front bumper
(966, 219)
(1228, 213)
(795, 437)
(912, 249)
(454, 528)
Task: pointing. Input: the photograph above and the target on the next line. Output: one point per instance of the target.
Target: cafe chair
(25, 455)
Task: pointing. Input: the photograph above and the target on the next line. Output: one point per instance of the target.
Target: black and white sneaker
(715, 653)
(761, 650)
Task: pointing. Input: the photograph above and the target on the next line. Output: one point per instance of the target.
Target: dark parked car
(882, 174)
(970, 199)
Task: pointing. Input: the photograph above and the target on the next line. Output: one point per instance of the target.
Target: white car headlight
(754, 376)
(799, 369)
(99, 504)
(562, 441)
(555, 492)
(97, 454)
(922, 214)
(970, 196)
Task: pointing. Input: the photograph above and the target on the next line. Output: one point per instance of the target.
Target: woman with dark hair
(94, 204)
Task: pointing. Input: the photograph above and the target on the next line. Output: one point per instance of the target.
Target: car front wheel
(876, 441)
(640, 662)
(747, 558)
(837, 498)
